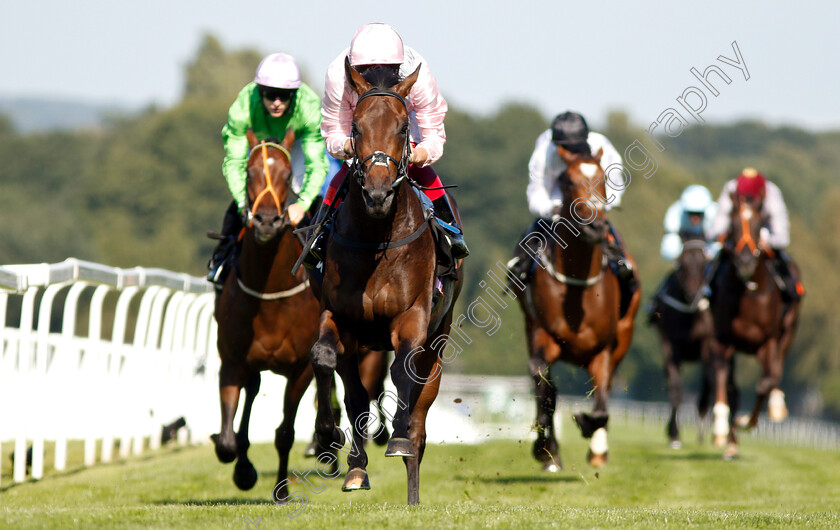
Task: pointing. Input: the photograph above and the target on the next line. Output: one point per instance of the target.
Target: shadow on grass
(698, 457)
(521, 479)
(214, 502)
(47, 475)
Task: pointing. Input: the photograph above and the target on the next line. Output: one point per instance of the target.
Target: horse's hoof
(311, 450)
(598, 461)
(777, 414)
(675, 444)
(720, 441)
(730, 452)
(244, 475)
(399, 447)
(225, 454)
(552, 467)
(743, 421)
(356, 479)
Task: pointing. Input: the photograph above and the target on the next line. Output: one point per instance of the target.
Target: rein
(269, 189)
(380, 246)
(575, 282)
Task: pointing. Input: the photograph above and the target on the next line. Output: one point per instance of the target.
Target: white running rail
(146, 356)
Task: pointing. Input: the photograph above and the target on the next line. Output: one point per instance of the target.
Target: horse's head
(745, 224)
(380, 134)
(269, 171)
(691, 266)
(582, 183)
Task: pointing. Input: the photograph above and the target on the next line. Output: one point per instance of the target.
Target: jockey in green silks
(273, 103)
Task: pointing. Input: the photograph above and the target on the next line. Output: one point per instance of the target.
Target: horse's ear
(567, 156)
(289, 139)
(252, 138)
(357, 82)
(404, 86)
(599, 154)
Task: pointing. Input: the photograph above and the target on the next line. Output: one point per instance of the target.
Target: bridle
(746, 237)
(378, 158)
(269, 188)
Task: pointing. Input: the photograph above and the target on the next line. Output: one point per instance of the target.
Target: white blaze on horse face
(746, 213)
(598, 445)
(588, 170)
(270, 161)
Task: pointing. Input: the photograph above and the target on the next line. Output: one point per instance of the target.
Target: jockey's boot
(627, 280)
(614, 250)
(793, 290)
(446, 218)
(222, 254)
(520, 264)
(315, 255)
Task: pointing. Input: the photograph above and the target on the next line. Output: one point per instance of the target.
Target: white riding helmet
(376, 44)
(278, 70)
(696, 198)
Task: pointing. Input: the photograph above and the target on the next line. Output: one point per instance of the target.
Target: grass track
(645, 485)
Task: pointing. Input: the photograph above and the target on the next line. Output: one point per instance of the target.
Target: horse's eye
(405, 129)
(353, 129)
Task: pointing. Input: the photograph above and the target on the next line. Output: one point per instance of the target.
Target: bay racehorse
(379, 284)
(750, 316)
(684, 323)
(573, 310)
(267, 317)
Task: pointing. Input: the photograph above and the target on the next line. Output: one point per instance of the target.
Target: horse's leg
(409, 334)
(357, 402)
(674, 378)
(244, 474)
(325, 354)
(704, 399)
(373, 376)
(428, 367)
(724, 434)
(772, 366)
(594, 425)
(546, 449)
(231, 379)
(284, 436)
(777, 410)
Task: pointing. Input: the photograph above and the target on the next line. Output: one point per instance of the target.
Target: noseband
(269, 188)
(378, 158)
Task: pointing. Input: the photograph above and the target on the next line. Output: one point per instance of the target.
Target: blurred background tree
(143, 189)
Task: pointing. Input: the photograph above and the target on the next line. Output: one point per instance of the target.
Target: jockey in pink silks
(380, 46)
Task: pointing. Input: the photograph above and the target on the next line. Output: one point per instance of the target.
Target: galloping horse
(684, 323)
(749, 316)
(267, 317)
(572, 310)
(379, 281)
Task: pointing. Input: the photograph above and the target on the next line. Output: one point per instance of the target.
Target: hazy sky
(586, 56)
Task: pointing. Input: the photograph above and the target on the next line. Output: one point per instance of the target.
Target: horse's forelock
(384, 78)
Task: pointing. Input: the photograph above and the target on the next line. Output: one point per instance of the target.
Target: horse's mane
(383, 78)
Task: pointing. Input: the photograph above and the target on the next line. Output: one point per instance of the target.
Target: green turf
(645, 485)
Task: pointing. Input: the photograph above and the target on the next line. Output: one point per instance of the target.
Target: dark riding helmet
(570, 131)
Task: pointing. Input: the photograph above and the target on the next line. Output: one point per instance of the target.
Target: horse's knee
(323, 357)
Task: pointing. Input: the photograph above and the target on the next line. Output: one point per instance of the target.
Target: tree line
(142, 190)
